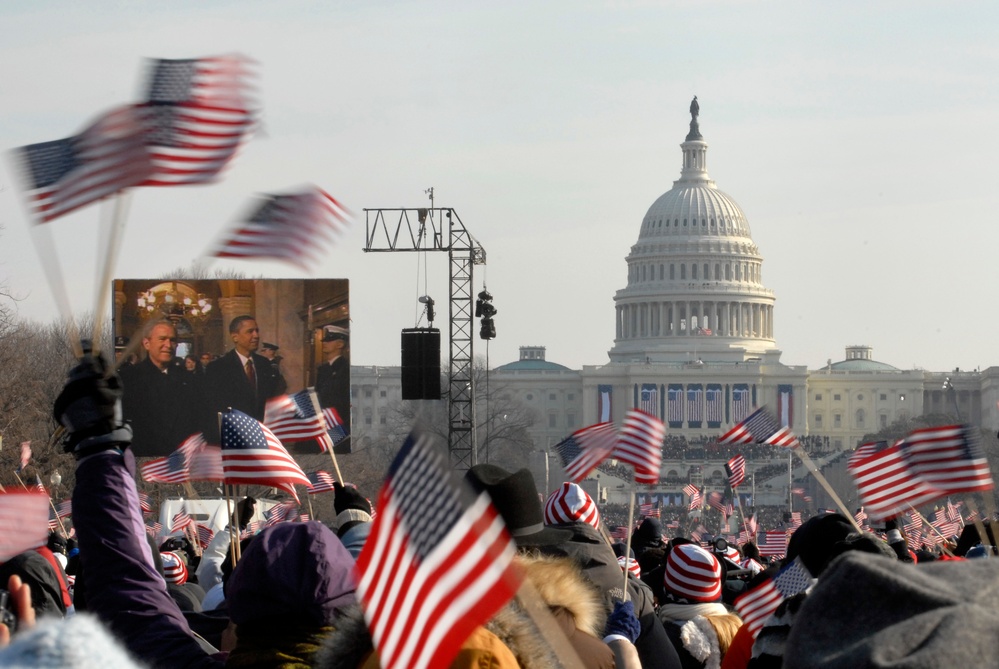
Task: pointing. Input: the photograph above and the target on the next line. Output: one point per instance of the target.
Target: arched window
(672, 272)
(693, 270)
(643, 272)
(717, 272)
(683, 271)
(706, 274)
(662, 272)
(728, 272)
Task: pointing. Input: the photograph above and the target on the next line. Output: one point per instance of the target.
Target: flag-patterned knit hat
(693, 574)
(174, 569)
(571, 504)
(631, 564)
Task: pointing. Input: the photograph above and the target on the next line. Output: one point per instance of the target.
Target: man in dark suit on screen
(333, 375)
(241, 379)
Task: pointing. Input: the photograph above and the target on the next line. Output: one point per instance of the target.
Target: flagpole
(308, 498)
(810, 465)
(115, 235)
(319, 412)
(45, 247)
(627, 543)
(738, 505)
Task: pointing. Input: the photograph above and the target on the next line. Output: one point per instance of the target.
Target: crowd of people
(671, 597)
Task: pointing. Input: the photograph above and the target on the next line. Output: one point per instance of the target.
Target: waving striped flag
(145, 503)
(584, 449)
(774, 543)
(294, 418)
(198, 112)
(450, 548)
(194, 460)
(640, 445)
(205, 535)
(888, 486)
(864, 451)
(23, 522)
(320, 481)
(760, 428)
(284, 512)
(334, 425)
(292, 227)
(153, 529)
(736, 470)
(251, 454)
(63, 175)
(756, 605)
(181, 520)
(948, 458)
(65, 508)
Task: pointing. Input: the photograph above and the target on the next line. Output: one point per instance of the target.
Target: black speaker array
(421, 364)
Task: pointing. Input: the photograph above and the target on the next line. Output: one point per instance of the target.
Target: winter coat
(588, 548)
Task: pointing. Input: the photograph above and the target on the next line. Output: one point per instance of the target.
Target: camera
(7, 616)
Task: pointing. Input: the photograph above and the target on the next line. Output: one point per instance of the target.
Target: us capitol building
(694, 344)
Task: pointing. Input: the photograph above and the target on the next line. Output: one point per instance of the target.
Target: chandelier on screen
(170, 300)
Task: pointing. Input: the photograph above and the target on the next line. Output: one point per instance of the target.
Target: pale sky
(859, 138)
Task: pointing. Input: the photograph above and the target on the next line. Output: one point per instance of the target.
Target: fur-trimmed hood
(560, 585)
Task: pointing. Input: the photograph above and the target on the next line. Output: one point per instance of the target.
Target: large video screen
(193, 348)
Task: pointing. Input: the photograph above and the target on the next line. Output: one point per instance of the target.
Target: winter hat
(814, 542)
(174, 569)
(515, 496)
(571, 504)
(351, 507)
(692, 574)
(630, 564)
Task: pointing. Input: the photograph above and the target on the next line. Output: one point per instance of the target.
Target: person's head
(269, 350)
(205, 359)
(190, 363)
(159, 338)
(245, 334)
(334, 340)
(692, 575)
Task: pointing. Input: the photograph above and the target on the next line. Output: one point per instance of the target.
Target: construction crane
(440, 229)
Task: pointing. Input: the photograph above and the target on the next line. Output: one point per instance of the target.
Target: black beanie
(815, 540)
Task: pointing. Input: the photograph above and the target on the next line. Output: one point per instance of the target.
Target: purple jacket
(123, 587)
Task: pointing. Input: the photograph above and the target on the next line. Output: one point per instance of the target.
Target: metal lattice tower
(440, 229)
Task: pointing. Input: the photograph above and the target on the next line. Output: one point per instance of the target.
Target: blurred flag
(756, 605)
(181, 520)
(25, 455)
(197, 112)
(65, 174)
(334, 425)
(320, 481)
(292, 227)
(586, 448)
(887, 486)
(294, 418)
(251, 454)
(39, 487)
(448, 546)
(640, 444)
(736, 470)
(194, 460)
(154, 529)
(948, 458)
(760, 428)
(281, 513)
(863, 451)
(145, 503)
(205, 535)
(65, 508)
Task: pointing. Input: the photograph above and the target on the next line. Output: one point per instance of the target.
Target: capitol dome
(695, 288)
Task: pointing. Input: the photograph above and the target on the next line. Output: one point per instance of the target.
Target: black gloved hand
(623, 622)
(88, 407)
(347, 497)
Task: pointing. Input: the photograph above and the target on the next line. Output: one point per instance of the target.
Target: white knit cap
(571, 504)
(631, 564)
(693, 573)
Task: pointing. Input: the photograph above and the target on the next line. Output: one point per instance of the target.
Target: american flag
(197, 112)
(774, 543)
(252, 528)
(320, 481)
(181, 520)
(861, 517)
(39, 486)
(251, 454)
(284, 512)
(290, 227)
(800, 492)
(145, 503)
(948, 528)
(674, 405)
(63, 175)
(640, 445)
(864, 451)
(714, 406)
(154, 529)
(619, 533)
(795, 522)
(760, 428)
(649, 399)
(334, 425)
(25, 455)
(949, 458)
(755, 606)
(716, 501)
(194, 460)
(449, 547)
(696, 500)
(954, 510)
(736, 470)
(294, 418)
(645, 509)
(913, 526)
(695, 407)
(205, 535)
(65, 508)
(584, 449)
(887, 485)
(740, 403)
